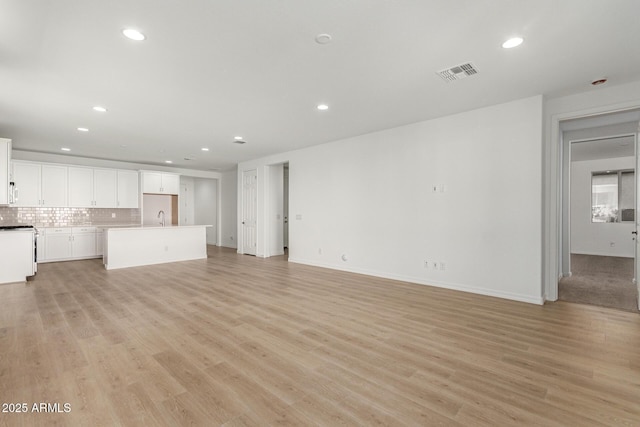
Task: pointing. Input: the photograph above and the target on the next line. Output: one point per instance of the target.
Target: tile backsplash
(67, 217)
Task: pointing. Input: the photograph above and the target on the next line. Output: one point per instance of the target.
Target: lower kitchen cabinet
(57, 244)
(67, 243)
(83, 242)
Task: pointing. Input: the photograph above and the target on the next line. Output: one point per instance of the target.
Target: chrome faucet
(161, 216)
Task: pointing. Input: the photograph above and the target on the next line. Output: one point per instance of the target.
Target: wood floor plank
(241, 341)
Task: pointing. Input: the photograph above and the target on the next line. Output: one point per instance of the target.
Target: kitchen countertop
(139, 227)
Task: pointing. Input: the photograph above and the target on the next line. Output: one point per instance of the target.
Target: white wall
(596, 238)
(370, 199)
(275, 213)
(154, 203)
(206, 206)
(229, 202)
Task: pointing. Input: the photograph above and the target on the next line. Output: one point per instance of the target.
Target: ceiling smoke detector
(458, 72)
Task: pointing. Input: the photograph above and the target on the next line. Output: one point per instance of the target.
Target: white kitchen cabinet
(67, 243)
(80, 187)
(160, 183)
(26, 177)
(5, 163)
(57, 244)
(54, 185)
(16, 255)
(41, 245)
(83, 242)
(105, 188)
(92, 188)
(40, 185)
(128, 189)
(99, 241)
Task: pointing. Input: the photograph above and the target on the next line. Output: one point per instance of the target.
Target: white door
(637, 219)
(249, 211)
(186, 205)
(285, 208)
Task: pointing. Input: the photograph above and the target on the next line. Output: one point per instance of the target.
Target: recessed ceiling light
(168, 161)
(65, 149)
(322, 107)
(83, 130)
(99, 109)
(599, 82)
(132, 34)
(323, 38)
(512, 42)
(204, 149)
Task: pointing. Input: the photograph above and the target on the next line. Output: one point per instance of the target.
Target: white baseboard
(453, 286)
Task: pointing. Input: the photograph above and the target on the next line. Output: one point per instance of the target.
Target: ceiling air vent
(458, 72)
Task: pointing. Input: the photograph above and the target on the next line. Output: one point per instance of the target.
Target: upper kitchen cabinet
(92, 188)
(40, 185)
(160, 183)
(5, 161)
(128, 189)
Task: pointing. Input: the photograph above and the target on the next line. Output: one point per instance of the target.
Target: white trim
(419, 281)
(553, 191)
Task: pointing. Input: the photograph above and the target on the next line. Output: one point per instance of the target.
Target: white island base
(136, 246)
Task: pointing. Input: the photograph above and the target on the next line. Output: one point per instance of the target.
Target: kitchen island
(147, 245)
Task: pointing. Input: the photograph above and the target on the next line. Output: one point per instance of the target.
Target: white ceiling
(604, 148)
(213, 69)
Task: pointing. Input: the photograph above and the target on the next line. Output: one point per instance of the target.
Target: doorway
(599, 205)
(249, 211)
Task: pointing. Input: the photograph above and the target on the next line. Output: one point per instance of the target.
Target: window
(612, 196)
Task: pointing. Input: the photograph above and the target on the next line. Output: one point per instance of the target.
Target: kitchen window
(612, 196)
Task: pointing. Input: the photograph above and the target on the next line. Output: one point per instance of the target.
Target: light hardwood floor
(236, 340)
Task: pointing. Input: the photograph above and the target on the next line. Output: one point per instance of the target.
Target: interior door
(249, 211)
(637, 219)
(286, 207)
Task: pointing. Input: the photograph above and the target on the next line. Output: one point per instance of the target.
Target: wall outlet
(612, 244)
(298, 217)
(443, 266)
(434, 265)
(426, 265)
(434, 188)
(442, 188)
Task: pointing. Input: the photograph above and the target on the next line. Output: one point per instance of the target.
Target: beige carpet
(600, 280)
